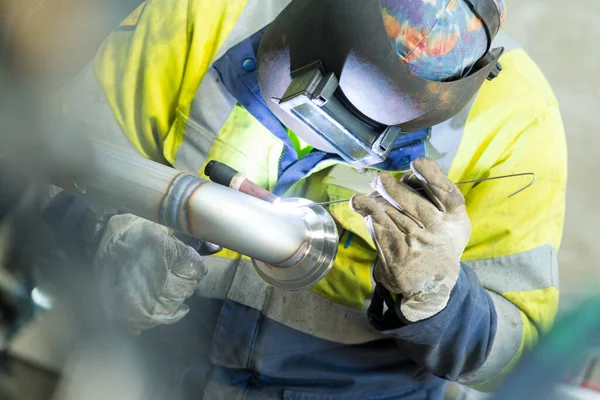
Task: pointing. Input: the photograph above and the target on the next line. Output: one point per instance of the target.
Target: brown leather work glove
(421, 228)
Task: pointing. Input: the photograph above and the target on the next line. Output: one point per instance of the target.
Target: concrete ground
(562, 37)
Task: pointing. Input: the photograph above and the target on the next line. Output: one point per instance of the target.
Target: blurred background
(562, 37)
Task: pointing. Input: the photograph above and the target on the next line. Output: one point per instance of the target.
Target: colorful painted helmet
(351, 76)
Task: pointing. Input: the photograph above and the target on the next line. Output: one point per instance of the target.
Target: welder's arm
(514, 243)
(457, 340)
(441, 315)
(506, 294)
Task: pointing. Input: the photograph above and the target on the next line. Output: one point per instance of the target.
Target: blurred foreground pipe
(292, 247)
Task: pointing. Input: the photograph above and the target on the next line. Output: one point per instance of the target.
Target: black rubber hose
(220, 173)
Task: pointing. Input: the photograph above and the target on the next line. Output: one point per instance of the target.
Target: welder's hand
(146, 272)
(421, 228)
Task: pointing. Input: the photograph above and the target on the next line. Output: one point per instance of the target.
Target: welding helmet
(330, 72)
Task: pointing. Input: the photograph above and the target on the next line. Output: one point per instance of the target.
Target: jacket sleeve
(457, 339)
(151, 66)
(507, 293)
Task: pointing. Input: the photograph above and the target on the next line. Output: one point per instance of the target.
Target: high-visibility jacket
(176, 82)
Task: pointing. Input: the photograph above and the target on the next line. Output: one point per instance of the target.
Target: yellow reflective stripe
(149, 72)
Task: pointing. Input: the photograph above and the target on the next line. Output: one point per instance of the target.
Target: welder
(327, 100)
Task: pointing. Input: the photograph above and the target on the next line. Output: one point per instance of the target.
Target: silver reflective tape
(220, 273)
(302, 310)
(211, 107)
(531, 270)
(508, 339)
(212, 104)
(90, 113)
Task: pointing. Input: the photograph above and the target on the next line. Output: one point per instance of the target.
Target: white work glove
(420, 227)
(146, 272)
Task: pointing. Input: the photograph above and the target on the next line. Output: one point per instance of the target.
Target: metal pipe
(263, 231)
